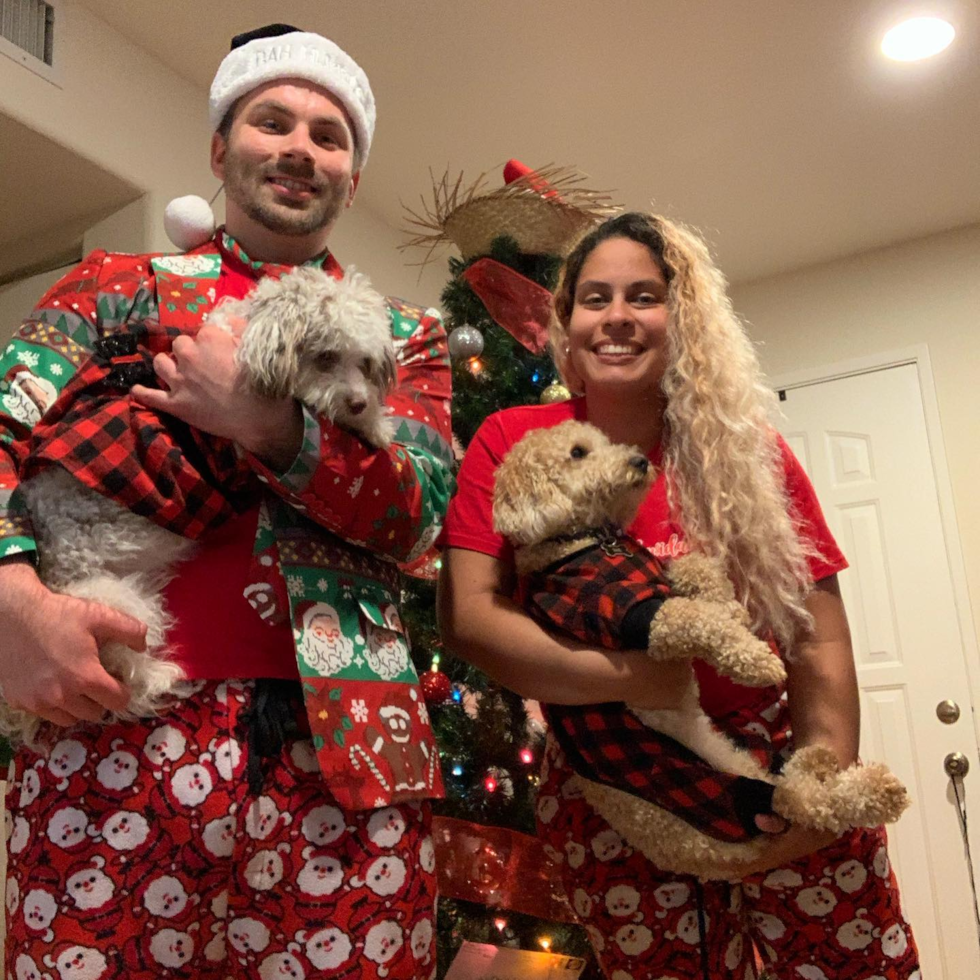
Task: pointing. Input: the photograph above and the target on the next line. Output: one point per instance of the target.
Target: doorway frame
(917, 355)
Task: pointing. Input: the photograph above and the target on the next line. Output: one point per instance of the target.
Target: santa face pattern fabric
(137, 851)
(834, 915)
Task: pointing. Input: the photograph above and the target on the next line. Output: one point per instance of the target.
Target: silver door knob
(948, 712)
(956, 765)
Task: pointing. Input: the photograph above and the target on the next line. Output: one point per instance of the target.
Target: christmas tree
(498, 885)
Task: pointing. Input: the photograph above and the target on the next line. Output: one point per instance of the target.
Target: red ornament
(436, 687)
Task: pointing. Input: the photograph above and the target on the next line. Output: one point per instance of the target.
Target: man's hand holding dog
(49, 650)
(201, 386)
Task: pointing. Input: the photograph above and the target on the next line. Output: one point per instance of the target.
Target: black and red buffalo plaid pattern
(591, 592)
(590, 595)
(154, 465)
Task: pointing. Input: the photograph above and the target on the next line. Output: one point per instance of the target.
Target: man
(230, 841)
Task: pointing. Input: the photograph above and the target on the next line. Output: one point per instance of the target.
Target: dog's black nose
(640, 463)
(356, 406)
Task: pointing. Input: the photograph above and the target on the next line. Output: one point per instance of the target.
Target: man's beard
(250, 190)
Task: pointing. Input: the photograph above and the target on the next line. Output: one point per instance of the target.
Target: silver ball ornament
(465, 342)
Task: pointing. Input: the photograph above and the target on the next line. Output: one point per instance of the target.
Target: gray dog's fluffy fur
(323, 341)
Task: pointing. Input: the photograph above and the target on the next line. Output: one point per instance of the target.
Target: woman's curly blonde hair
(721, 455)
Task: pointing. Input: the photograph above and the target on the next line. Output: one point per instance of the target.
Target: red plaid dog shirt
(607, 593)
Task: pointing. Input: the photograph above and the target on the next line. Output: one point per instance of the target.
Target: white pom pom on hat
(188, 222)
(260, 56)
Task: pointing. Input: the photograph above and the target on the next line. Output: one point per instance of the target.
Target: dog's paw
(748, 660)
(380, 432)
(813, 792)
(707, 630)
(871, 795)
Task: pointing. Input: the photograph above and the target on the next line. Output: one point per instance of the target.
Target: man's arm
(49, 643)
(391, 501)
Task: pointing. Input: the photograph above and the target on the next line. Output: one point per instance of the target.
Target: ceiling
(776, 127)
(49, 194)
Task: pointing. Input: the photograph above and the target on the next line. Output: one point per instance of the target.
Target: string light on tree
(497, 304)
(498, 779)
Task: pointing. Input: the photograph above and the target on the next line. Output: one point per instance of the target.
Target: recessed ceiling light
(918, 38)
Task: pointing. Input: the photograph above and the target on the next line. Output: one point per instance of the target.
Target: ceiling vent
(29, 25)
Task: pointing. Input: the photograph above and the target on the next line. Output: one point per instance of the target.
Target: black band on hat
(272, 30)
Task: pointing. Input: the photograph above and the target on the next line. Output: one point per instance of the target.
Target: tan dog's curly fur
(566, 480)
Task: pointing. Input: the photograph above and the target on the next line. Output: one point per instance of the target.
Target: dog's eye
(366, 365)
(579, 452)
(325, 361)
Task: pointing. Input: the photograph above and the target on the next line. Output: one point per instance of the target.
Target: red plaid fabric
(590, 595)
(153, 465)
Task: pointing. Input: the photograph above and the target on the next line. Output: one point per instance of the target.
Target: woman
(644, 333)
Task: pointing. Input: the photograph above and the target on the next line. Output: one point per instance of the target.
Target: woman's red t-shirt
(469, 522)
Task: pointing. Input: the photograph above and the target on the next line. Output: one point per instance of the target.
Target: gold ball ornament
(555, 392)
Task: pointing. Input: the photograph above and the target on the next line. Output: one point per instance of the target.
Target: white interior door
(864, 443)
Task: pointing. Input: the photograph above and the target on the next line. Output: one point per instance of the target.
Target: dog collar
(606, 536)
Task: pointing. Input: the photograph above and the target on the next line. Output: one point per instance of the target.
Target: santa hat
(392, 710)
(16, 369)
(399, 703)
(260, 56)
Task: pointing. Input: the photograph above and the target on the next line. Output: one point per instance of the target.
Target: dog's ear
(528, 506)
(269, 352)
(507, 514)
(387, 370)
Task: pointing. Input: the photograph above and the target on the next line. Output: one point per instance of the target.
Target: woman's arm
(823, 707)
(822, 682)
(482, 626)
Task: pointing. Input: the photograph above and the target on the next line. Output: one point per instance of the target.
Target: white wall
(360, 239)
(17, 299)
(131, 115)
(922, 291)
(116, 106)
